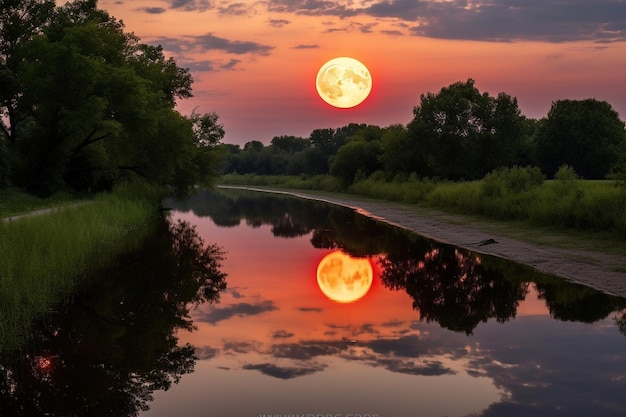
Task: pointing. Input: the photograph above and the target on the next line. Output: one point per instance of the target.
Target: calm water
(433, 330)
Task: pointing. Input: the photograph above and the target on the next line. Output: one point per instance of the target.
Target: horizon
(255, 63)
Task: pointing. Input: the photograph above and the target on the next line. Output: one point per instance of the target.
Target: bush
(513, 180)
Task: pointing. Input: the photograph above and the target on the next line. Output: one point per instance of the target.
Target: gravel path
(599, 270)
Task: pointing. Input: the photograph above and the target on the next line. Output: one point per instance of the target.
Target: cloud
(306, 46)
(212, 42)
(190, 5)
(152, 10)
(601, 21)
(278, 23)
(235, 9)
(284, 372)
(426, 368)
(216, 314)
(241, 347)
(307, 350)
(205, 352)
(282, 334)
(309, 309)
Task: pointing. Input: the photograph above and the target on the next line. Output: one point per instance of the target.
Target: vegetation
(14, 201)
(86, 105)
(43, 257)
(468, 152)
(520, 194)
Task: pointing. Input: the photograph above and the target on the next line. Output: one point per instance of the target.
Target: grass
(14, 202)
(518, 197)
(44, 257)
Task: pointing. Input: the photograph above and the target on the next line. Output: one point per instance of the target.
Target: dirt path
(603, 271)
(42, 211)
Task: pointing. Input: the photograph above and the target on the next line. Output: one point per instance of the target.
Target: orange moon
(343, 278)
(343, 82)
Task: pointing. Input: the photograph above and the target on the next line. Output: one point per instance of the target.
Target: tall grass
(507, 194)
(15, 202)
(43, 257)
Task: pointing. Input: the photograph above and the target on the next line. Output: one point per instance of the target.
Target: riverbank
(45, 256)
(589, 261)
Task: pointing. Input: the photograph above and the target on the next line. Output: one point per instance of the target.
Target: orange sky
(254, 62)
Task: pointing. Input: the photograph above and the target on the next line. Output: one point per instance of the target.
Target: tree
(93, 106)
(465, 133)
(584, 134)
(290, 144)
(354, 157)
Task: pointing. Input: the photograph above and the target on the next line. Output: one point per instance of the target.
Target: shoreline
(584, 266)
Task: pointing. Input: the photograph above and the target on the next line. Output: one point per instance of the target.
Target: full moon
(343, 278)
(343, 82)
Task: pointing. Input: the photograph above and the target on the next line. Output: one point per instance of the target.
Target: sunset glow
(255, 63)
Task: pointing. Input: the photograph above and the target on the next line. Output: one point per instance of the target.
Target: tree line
(86, 105)
(459, 133)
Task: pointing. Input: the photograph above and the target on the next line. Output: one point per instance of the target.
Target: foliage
(90, 106)
(466, 133)
(14, 202)
(516, 194)
(584, 134)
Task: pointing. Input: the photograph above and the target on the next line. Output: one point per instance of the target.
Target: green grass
(518, 196)
(14, 202)
(43, 257)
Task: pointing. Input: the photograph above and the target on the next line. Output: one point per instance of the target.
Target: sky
(254, 62)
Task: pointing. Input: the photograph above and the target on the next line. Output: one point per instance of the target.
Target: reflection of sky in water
(274, 344)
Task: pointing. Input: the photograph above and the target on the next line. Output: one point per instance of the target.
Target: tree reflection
(451, 286)
(106, 351)
(571, 302)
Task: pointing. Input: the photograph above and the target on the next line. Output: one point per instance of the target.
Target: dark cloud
(152, 10)
(282, 334)
(426, 368)
(236, 310)
(212, 42)
(241, 347)
(284, 372)
(205, 352)
(169, 44)
(307, 350)
(602, 21)
(392, 32)
(190, 5)
(235, 9)
(315, 46)
(310, 309)
(278, 23)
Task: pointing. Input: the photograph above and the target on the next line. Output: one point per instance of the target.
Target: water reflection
(343, 278)
(442, 331)
(106, 351)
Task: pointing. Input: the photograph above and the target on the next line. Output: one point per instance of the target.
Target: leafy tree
(401, 154)
(584, 134)
(93, 106)
(356, 156)
(290, 144)
(465, 133)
